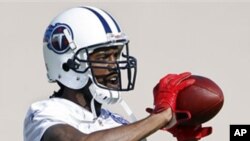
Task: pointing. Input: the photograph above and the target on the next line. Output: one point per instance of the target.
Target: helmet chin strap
(129, 112)
(109, 98)
(104, 96)
(92, 106)
(127, 109)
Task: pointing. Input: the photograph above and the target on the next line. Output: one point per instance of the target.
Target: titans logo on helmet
(56, 38)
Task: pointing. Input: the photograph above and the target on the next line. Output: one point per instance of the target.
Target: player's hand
(165, 95)
(190, 133)
(166, 91)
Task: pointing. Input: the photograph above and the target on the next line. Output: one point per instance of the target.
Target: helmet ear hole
(70, 64)
(65, 67)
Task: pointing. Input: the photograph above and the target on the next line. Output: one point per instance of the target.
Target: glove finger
(179, 78)
(185, 84)
(166, 79)
(205, 131)
(156, 88)
(159, 109)
(156, 110)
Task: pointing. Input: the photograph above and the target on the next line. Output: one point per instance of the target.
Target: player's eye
(102, 57)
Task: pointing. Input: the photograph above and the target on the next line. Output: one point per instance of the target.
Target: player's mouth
(111, 80)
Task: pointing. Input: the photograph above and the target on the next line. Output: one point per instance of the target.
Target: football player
(87, 55)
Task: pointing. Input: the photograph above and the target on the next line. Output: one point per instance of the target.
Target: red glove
(166, 91)
(190, 133)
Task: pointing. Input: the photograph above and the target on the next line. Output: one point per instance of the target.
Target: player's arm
(132, 132)
(165, 94)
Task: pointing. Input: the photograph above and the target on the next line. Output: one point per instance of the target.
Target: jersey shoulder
(43, 114)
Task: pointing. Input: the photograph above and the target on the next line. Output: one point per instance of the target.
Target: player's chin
(113, 86)
(110, 85)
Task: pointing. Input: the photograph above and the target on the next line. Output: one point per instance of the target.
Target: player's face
(105, 68)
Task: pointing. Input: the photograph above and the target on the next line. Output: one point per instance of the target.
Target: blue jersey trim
(117, 118)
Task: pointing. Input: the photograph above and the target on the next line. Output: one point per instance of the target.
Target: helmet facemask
(118, 74)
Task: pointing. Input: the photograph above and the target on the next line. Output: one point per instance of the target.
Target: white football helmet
(71, 37)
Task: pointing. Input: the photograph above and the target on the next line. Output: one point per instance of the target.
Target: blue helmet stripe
(103, 21)
(117, 26)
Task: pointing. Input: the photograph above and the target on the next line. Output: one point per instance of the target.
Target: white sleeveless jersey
(43, 114)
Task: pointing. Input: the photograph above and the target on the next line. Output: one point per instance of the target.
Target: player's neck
(75, 97)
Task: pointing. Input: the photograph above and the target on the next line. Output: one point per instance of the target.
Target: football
(203, 100)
